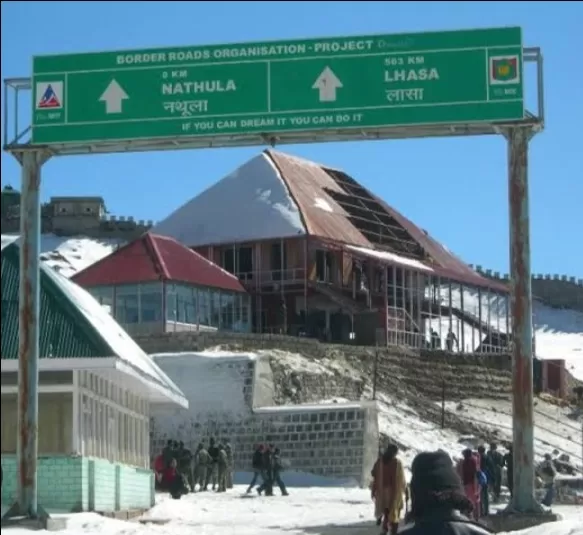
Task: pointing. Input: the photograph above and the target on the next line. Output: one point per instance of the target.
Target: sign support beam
(26, 506)
(523, 499)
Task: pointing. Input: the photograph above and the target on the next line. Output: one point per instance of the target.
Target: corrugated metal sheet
(447, 264)
(62, 334)
(307, 182)
(153, 258)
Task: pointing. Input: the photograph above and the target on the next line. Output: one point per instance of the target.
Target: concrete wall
(228, 397)
(73, 484)
(559, 291)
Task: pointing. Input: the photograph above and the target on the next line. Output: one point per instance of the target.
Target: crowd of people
(180, 471)
(447, 493)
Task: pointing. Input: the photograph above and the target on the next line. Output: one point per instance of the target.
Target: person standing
(257, 466)
(277, 468)
(388, 488)
(497, 462)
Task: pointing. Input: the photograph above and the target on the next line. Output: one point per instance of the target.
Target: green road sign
(458, 77)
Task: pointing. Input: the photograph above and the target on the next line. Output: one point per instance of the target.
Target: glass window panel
(204, 306)
(126, 304)
(246, 312)
(227, 302)
(185, 304)
(237, 309)
(215, 308)
(171, 302)
(151, 303)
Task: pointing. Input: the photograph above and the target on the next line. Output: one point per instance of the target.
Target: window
(151, 302)
(245, 257)
(185, 304)
(204, 306)
(227, 302)
(126, 304)
(278, 260)
(171, 313)
(103, 295)
(55, 423)
(229, 260)
(215, 308)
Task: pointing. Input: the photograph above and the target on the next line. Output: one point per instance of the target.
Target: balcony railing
(275, 276)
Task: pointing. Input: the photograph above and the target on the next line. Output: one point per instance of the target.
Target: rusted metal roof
(322, 215)
(325, 218)
(155, 258)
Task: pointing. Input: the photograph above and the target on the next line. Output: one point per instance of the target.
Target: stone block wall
(233, 398)
(73, 484)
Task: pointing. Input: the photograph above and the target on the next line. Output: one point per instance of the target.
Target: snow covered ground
(306, 511)
(70, 255)
(558, 332)
(555, 427)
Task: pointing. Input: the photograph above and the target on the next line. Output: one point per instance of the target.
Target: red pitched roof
(156, 258)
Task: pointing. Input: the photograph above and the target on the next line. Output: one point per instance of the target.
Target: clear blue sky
(455, 188)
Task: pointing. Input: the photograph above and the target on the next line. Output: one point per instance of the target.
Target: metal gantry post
(523, 499)
(26, 504)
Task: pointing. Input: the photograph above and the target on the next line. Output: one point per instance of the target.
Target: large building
(96, 389)
(324, 257)
(155, 284)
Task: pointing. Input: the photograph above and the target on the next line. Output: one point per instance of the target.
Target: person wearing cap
(439, 505)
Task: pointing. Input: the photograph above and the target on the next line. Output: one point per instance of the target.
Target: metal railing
(274, 276)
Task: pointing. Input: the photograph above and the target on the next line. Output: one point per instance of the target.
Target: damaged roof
(335, 207)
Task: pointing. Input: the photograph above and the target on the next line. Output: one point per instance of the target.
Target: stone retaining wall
(234, 398)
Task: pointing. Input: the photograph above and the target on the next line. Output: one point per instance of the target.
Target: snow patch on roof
(120, 342)
(251, 203)
(69, 255)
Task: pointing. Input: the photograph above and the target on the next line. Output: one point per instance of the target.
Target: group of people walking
(267, 465)
(180, 471)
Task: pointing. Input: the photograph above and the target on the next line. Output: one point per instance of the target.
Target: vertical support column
(386, 302)
(462, 324)
(480, 330)
(28, 333)
(523, 500)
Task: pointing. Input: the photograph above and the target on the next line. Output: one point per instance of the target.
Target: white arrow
(327, 83)
(113, 97)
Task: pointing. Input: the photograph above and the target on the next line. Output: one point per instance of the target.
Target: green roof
(73, 325)
(64, 332)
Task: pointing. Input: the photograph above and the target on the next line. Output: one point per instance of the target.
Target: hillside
(414, 421)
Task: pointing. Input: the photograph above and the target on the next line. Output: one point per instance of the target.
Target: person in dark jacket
(277, 469)
(257, 465)
(267, 470)
(213, 469)
(168, 453)
(497, 461)
(438, 501)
